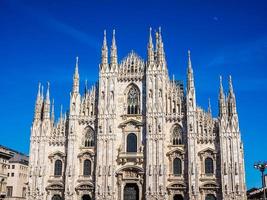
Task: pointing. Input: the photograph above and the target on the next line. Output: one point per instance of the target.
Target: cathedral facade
(136, 135)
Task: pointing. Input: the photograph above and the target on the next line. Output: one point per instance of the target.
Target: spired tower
(135, 135)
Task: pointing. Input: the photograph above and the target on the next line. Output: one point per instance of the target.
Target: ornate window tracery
(209, 169)
(177, 167)
(58, 168)
(131, 142)
(87, 167)
(133, 101)
(89, 137)
(177, 135)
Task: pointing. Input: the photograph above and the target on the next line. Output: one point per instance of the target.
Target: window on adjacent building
(209, 169)
(58, 168)
(177, 135)
(9, 191)
(87, 167)
(133, 101)
(177, 167)
(12, 174)
(131, 143)
(13, 166)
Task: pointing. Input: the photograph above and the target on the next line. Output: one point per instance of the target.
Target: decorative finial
(160, 30)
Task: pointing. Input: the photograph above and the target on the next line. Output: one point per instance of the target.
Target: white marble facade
(136, 134)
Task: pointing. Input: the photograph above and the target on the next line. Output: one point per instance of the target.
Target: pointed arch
(133, 99)
(177, 135)
(89, 137)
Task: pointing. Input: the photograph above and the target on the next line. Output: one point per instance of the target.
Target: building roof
(13, 155)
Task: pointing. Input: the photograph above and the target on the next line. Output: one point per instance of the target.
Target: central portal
(131, 192)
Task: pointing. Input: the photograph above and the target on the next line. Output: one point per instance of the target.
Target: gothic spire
(75, 86)
(209, 108)
(104, 53)
(190, 73)
(38, 104)
(39, 92)
(42, 92)
(47, 97)
(222, 107)
(53, 112)
(113, 51)
(150, 48)
(221, 89)
(85, 87)
(231, 90)
(160, 50)
(47, 103)
(61, 113)
(231, 98)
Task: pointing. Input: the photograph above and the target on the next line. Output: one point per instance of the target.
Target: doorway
(86, 197)
(178, 197)
(131, 192)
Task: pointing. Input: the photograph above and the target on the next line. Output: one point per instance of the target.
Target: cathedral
(136, 135)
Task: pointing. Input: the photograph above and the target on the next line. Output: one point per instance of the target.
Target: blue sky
(39, 41)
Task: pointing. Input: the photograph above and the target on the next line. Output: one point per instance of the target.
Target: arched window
(131, 143)
(210, 197)
(87, 167)
(56, 197)
(133, 101)
(209, 166)
(177, 135)
(89, 137)
(177, 167)
(58, 168)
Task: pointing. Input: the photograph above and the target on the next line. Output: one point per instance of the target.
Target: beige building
(5, 155)
(137, 134)
(14, 174)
